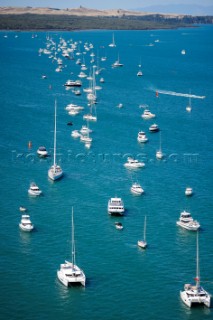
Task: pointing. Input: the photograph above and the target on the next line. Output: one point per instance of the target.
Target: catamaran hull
(206, 300)
(74, 281)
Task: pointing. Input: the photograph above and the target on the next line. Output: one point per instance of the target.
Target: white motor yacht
(133, 163)
(159, 154)
(187, 222)
(142, 137)
(147, 114)
(42, 152)
(26, 224)
(89, 117)
(195, 294)
(75, 134)
(34, 190)
(137, 189)
(116, 206)
(154, 128)
(85, 130)
(188, 191)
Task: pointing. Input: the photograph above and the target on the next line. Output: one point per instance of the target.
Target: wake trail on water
(173, 93)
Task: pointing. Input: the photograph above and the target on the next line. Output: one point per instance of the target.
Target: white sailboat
(159, 153)
(195, 294)
(189, 106)
(55, 172)
(70, 273)
(112, 45)
(143, 243)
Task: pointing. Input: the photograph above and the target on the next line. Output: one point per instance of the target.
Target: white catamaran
(195, 294)
(70, 273)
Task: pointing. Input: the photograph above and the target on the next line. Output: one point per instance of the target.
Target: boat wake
(172, 93)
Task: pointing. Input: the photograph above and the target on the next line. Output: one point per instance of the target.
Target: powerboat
(154, 128)
(26, 224)
(187, 222)
(116, 206)
(75, 134)
(85, 130)
(147, 114)
(89, 117)
(133, 163)
(140, 73)
(119, 226)
(188, 191)
(42, 152)
(136, 189)
(22, 209)
(72, 106)
(34, 190)
(195, 294)
(73, 83)
(142, 137)
(159, 154)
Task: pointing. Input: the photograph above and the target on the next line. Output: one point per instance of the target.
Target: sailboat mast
(144, 229)
(54, 159)
(73, 241)
(197, 265)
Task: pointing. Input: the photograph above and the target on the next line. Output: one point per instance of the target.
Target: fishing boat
(142, 243)
(154, 128)
(25, 223)
(147, 114)
(42, 152)
(195, 294)
(136, 189)
(116, 206)
(188, 191)
(187, 222)
(69, 273)
(34, 190)
(55, 172)
(142, 137)
(133, 163)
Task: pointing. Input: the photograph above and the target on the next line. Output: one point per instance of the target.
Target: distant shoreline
(40, 19)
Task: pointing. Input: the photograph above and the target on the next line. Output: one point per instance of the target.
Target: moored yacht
(136, 189)
(69, 273)
(116, 206)
(187, 222)
(26, 224)
(133, 163)
(154, 128)
(42, 152)
(147, 114)
(188, 191)
(142, 137)
(34, 190)
(195, 294)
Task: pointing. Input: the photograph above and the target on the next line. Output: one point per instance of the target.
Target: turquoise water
(122, 280)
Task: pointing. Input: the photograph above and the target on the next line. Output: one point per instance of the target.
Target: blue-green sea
(123, 281)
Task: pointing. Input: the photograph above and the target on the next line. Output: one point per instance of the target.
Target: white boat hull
(142, 244)
(188, 226)
(27, 228)
(54, 175)
(196, 299)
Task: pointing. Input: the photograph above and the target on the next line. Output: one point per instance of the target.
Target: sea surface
(123, 281)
